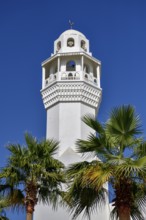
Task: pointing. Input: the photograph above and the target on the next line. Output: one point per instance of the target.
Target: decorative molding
(77, 91)
(71, 54)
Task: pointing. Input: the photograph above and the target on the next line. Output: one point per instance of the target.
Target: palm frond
(131, 168)
(93, 123)
(140, 149)
(85, 200)
(124, 124)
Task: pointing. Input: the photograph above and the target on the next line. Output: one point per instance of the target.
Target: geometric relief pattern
(71, 92)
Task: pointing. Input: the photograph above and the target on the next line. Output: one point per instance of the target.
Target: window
(71, 66)
(70, 76)
(70, 42)
(58, 45)
(86, 76)
(83, 45)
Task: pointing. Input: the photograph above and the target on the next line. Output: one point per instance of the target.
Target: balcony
(72, 76)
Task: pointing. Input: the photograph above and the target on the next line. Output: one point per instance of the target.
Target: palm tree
(113, 146)
(32, 174)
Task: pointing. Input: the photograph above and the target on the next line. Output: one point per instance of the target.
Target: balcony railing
(67, 75)
(70, 75)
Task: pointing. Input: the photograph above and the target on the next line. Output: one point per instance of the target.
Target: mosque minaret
(70, 89)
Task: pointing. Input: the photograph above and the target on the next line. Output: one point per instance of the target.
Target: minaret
(70, 90)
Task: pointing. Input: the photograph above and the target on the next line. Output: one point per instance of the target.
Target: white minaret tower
(70, 90)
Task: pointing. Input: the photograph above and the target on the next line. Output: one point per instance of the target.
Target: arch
(86, 76)
(71, 65)
(95, 81)
(64, 76)
(83, 45)
(58, 45)
(70, 42)
(86, 68)
(77, 76)
(70, 76)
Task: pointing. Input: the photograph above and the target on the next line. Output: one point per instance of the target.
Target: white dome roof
(71, 41)
(72, 32)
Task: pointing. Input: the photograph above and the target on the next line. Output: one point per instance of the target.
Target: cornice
(71, 92)
(71, 54)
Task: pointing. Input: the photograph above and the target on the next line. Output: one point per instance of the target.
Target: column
(43, 77)
(98, 75)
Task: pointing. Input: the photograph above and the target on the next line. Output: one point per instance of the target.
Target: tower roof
(71, 41)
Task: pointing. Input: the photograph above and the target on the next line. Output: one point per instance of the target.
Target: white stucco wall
(52, 128)
(44, 212)
(64, 123)
(85, 130)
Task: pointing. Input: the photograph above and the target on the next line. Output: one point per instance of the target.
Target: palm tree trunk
(31, 199)
(29, 211)
(124, 198)
(124, 213)
(29, 216)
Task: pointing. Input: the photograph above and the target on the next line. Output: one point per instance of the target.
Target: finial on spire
(71, 24)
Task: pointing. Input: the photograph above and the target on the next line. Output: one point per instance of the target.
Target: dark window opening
(70, 66)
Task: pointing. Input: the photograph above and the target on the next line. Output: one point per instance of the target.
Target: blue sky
(117, 33)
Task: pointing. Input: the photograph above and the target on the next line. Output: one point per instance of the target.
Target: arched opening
(70, 42)
(95, 80)
(77, 76)
(58, 45)
(86, 76)
(64, 76)
(83, 45)
(71, 66)
(86, 68)
(70, 76)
